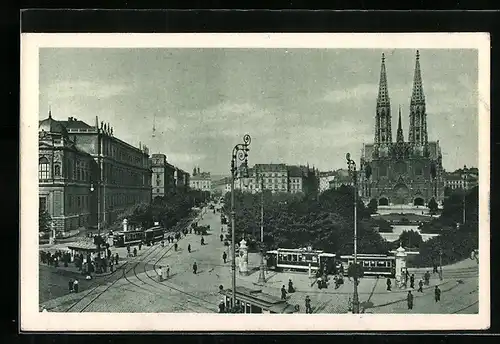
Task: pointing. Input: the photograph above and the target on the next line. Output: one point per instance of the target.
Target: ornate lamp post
(351, 164)
(464, 177)
(240, 152)
(262, 274)
(98, 208)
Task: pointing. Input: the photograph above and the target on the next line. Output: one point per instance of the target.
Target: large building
(87, 175)
(200, 180)
(164, 176)
(325, 178)
(405, 171)
(279, 178)
(464, 179)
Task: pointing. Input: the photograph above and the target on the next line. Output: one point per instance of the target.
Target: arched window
(57, 170)
(43, 168)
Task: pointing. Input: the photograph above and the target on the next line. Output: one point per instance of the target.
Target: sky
(300, 106)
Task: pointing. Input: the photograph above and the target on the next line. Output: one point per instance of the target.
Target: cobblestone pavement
(138, 289)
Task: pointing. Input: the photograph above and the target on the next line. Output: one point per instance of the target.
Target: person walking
(290, 286)
(221, 237)
(437, 294)
(412, 281)
(427, 277)
(409, 300)
(140, 245)
(135, 252)
(389, 283)
(116, 259)
(175, 246)
(202, 241)
(420, 286)
(224, 257)
(75, 286)
(308, 305)
(168, 271)
(111, 265)
(195, 268)
(160, 274)
(70, 286)
(283, 292)
(189, 248)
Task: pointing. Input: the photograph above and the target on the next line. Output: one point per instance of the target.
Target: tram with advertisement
(373, 264)
(301, 259)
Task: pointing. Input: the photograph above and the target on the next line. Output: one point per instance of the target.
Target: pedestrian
(291, 289)
(128, 251)
(221, 237)
(420, 286)
(75, 286)
(389, 284)
(135, 252)
(308, 305)
(116, 259)
(162, 243)
(195, 268)
(407, 275)
(202, 241)
(283, 292)
(175, 246)
(189, 248)
(224, 257)
(111, 265)
(140, 245)
(160, 274)
(168, 271)
(437, 294)
(434, 268)
(412, 281)
(109, 253)
(409, 300)
(427, 277)
(70, 286)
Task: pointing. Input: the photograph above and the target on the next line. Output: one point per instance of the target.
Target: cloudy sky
(299, 105)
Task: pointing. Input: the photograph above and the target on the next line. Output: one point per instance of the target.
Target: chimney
(96, 122)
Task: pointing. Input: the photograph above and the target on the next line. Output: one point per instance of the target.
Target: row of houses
(87, 175)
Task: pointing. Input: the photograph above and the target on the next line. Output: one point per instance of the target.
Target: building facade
(86, 175)
(464, 179)
(325, 178)
(341, 178)
(401, 172)
(279, 178)
(200, 180)
(164, 176)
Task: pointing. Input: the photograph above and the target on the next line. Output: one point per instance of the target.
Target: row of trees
(322, 221)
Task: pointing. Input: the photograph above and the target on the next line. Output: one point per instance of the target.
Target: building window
(157, 190)
(43, 168)
(42, 203)
(57, 170)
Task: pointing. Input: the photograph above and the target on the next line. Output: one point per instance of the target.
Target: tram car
(300, 260)
(373, 264)
(153, 234)
(122, 239)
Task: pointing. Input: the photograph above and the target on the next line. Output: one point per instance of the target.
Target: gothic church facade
(404, 172)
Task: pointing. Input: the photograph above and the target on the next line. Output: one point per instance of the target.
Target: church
(404, 172)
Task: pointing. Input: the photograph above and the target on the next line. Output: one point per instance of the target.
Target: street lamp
(98, 208)
(464, 177)
(262, 274)
(440, 264)
(240, 152)
(351, 164)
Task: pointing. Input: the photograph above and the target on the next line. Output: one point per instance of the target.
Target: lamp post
(351, 164)
(464, 177)
(98, 208)
(440, 264)
(240, 152)
(262, 274)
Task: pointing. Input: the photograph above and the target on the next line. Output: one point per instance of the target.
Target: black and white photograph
(214, 181)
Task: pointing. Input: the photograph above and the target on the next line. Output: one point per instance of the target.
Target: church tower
(418, 116)
(383, 131)
(399, 136)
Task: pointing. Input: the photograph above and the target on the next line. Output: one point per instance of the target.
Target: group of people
(54, 259)
(291, 289)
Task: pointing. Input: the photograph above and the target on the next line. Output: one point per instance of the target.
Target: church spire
(417, 95)
(383, 130)
(400, 137)
(418, 117)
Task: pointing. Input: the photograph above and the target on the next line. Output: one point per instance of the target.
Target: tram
(153, 235)
(301, 259)
(121, 239)
(373, 264)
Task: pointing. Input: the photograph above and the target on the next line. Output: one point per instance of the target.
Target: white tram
(300, 259)
(373, 264)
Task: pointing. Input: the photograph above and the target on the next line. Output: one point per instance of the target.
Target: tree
(372, 206)
(355, 271)
(433, 206)
(44, 220)
(410, 239)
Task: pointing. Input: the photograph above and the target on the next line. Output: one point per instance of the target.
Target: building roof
(50, 125)
(270, 167)
(73, 123)
(295, 171)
